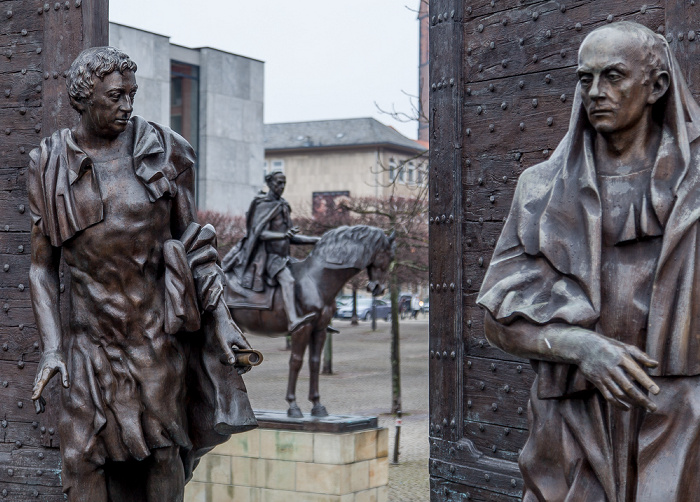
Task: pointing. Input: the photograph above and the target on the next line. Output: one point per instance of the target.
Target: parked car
(364, 310)
(425, 307)
(342, 300)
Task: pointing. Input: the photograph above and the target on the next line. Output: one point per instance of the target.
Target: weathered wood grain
(36, 47)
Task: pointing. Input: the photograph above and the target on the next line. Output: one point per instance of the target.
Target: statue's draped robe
(253, 261)
(142, 358)
(621, 257)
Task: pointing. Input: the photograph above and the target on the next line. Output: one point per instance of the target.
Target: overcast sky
(324, 59)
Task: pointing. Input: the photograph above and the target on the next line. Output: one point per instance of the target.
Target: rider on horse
(261, 258)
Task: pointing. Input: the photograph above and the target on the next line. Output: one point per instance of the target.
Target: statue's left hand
(228, 334)
(235, 338)
(231, 338)
(292, 232)
(52, 362)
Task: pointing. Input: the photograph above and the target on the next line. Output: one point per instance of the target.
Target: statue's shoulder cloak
(262, 210)
(64, 194)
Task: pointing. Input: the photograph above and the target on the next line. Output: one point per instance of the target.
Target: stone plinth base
(276, 463)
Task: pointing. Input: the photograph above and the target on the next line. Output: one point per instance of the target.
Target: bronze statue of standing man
(144, 392)
(596, 279)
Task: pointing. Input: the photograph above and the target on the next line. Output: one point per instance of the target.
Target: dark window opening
(184, 103)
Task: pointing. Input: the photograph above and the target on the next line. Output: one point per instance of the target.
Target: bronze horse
(339, 255)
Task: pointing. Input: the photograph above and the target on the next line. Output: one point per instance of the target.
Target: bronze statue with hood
(596, 279)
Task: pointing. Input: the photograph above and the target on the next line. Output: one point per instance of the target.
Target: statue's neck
(331, 280)
(99, 148)
(627, 151)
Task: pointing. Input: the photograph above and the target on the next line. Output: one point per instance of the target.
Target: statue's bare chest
(133, 229)
(280, 223)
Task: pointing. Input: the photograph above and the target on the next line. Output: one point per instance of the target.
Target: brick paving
(361, 385)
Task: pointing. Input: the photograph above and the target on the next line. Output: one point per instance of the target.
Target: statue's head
(276, 182)
(101, 85)
(623, 69)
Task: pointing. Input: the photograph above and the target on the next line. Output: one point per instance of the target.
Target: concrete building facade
(349, 157)
(423, 72)
(215, 100)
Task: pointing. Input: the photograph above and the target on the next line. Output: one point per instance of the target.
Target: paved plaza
(361, 385)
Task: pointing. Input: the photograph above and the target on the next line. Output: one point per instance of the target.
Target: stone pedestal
(336, 459)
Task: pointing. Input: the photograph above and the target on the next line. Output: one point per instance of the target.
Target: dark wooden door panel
(38, 42)
(446, 349)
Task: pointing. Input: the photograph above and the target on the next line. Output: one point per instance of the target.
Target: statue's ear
(392, 236)
(660, 81)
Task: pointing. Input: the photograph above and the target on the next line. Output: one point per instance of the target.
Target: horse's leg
(300, 340)
(318, 338)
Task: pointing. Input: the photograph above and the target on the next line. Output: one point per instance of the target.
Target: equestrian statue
(271, 294)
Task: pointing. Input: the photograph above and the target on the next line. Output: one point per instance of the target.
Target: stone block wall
(270, 465)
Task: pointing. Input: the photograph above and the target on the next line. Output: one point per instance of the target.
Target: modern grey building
(215, 100)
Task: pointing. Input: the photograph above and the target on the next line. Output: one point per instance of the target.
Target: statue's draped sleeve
(535, 271)
(526, 281)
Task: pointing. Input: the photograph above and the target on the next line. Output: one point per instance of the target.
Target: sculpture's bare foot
(299, 321)
(294, 412)
(319, 410)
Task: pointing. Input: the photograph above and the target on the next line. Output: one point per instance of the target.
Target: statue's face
(277, 184)
(616, 87)
(107, 112)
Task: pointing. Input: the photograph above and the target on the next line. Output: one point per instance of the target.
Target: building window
(392, 169)
(410, 170)
(402, 172)
(273, 166)
(184, 101)
(184, 106)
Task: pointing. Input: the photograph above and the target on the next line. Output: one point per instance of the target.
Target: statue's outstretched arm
(304, 239)
(615, 368)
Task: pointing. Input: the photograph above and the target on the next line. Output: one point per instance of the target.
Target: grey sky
(324, 59)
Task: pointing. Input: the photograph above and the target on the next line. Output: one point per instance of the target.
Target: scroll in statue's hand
(52, 362)
(615, 368)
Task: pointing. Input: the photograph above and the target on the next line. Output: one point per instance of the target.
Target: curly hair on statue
(91, 63)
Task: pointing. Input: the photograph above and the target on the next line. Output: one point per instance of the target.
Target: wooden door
(38, 41)
(502, 77)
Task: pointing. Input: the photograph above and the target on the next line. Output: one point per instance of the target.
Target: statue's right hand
(52, 362)
(615, 368)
